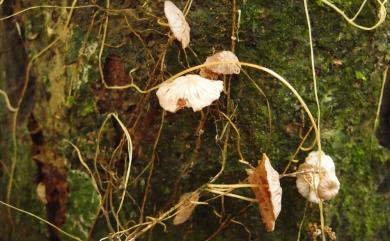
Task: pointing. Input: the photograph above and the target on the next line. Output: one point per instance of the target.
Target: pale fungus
(233, 67)
(268, 191)
(187, 208)
(317, 179)
(329, 186)
(192, 91)
(177, 23)
(41, 192)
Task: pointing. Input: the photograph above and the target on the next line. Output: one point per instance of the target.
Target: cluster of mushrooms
(316, 177)
(316, 180)
(193, 90)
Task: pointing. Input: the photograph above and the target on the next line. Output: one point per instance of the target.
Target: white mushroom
(326, 161)
(328, 187)
(268, 191)
(185, 211)
(177, 23)
(192, 91)
(223, 56)
(317, 180)
(308, 182)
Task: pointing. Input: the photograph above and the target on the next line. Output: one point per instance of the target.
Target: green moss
(83, 205)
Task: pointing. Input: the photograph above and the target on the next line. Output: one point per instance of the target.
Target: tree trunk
(97, 157)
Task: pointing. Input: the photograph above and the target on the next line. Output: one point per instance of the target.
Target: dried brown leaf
(186, 210)
(41, 192)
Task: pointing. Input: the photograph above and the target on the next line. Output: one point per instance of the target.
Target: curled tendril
(381, 14)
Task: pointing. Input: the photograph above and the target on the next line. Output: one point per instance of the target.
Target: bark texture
(70, 131)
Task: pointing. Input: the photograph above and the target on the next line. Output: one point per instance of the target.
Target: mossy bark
(177, 153)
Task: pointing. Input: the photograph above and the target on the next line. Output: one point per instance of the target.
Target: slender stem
(42, 220)
(297, 150)
(360, 10)
(130, 155)
(267, 101)
(380, 99)
(231, 195)
(303, 220)
(7, 102)
(382, 15)
(238, 136)
(151, 166)
(318, 110)
(46, 6)
(105, 27)
(243, 185)
(313, 70)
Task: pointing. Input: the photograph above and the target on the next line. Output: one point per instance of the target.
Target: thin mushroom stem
(382, 15)
(223, 186)
(7, 101)
(42, 220)
(360, 10)
(295, 174)
(231, 195)
(48, 7)
(242, 159)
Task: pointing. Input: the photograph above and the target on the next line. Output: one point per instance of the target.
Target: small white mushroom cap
(326, 161)
(192, 91)
(318, 180)
(223, 56)
(177, 23)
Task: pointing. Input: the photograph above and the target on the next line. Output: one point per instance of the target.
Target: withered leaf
(186, 210)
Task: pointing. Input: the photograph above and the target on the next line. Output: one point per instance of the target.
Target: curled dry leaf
(177, 23)
(223, 56)
(317, 180)
(185, 211)
(268, 191)
(192, 91)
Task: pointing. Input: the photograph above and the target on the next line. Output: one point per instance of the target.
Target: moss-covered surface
(71, 103)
